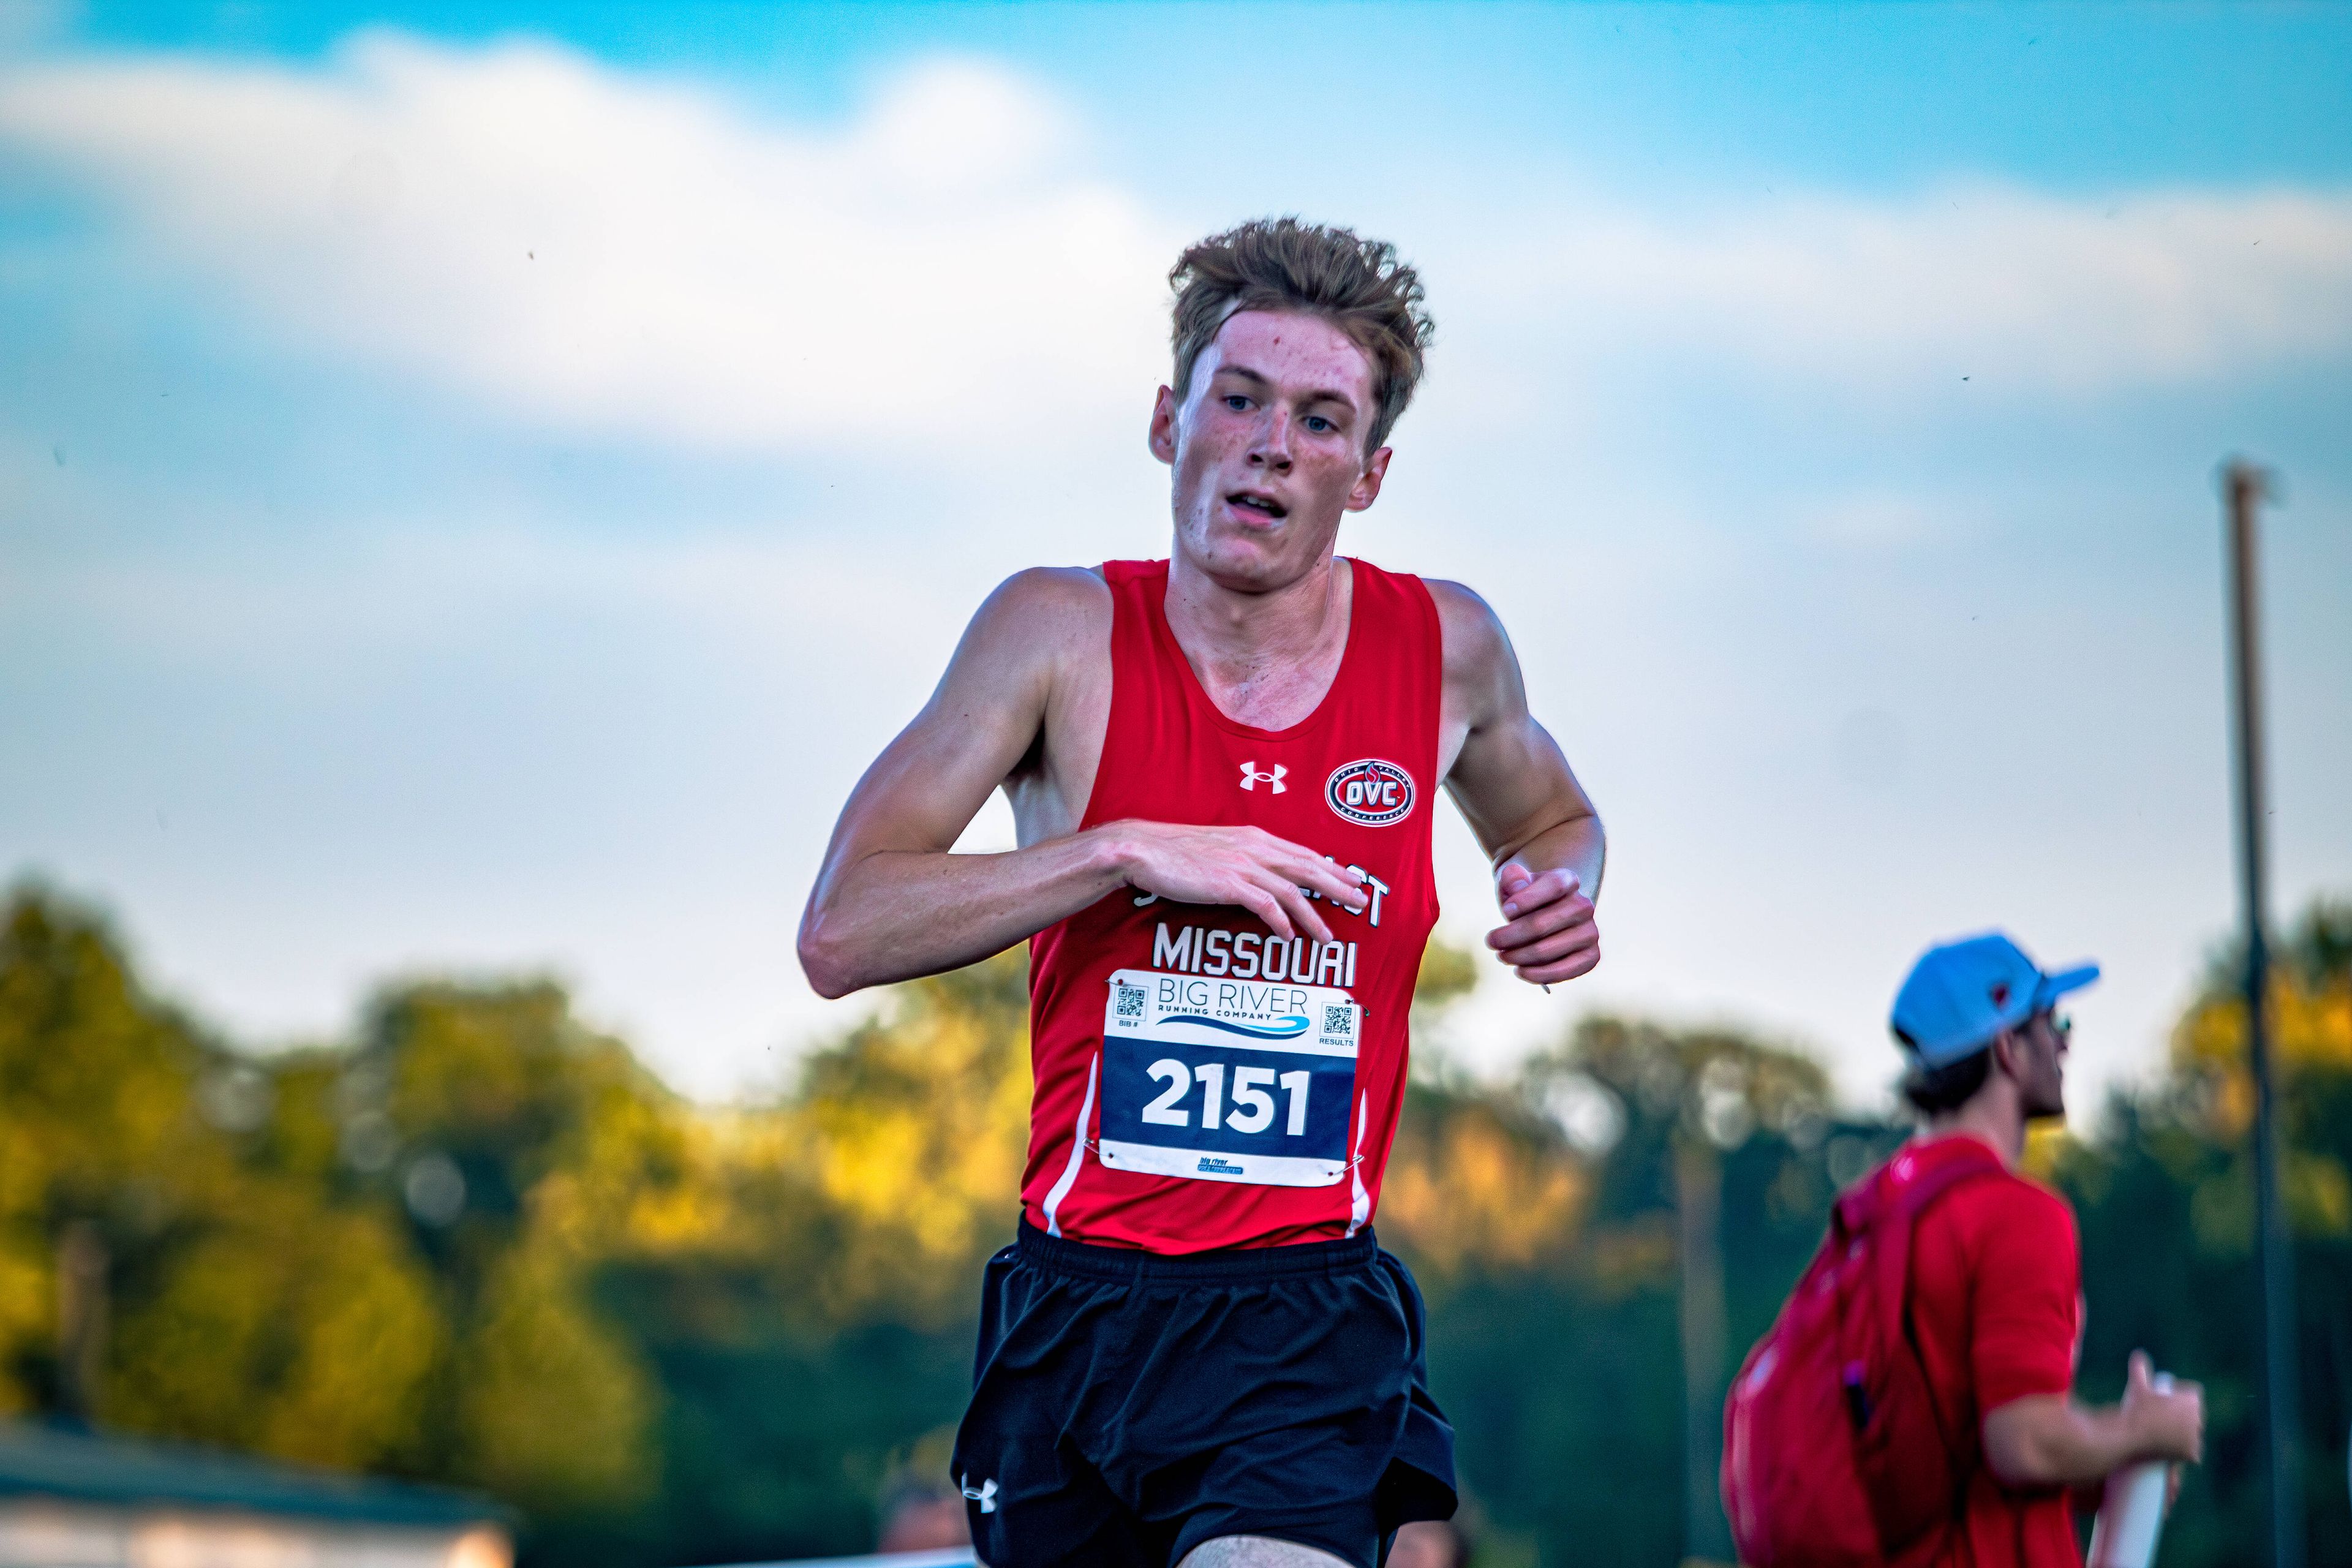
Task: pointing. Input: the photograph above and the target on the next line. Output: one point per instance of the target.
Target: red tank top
(1200, 1082)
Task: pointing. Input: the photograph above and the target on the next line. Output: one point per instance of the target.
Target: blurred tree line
(477, 1243)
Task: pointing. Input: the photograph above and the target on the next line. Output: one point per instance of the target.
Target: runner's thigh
(1257, 1551)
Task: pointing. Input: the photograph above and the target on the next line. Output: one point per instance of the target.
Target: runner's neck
(1265, 659)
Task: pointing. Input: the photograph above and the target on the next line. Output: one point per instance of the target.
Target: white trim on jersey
(1069, 1176)
(1361, 1209)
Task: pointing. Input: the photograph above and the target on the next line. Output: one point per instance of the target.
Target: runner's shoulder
(1051, 594)
(1044, 613)
(1475, 643)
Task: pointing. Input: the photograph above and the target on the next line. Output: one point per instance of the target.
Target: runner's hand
(1551, 936)
(1268, 875)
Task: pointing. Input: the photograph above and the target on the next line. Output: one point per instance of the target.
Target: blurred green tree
(98, 1083)
(479, 1242)
(526, 1151)
(246, 1305)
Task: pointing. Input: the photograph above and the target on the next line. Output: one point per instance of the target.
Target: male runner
(1221, 768)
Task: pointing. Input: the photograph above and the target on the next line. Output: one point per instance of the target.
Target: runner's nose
(1272, 447)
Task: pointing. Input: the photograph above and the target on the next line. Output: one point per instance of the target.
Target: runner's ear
(1161, 434)
(1368, 485)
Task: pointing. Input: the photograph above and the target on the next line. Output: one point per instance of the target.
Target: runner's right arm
(891, 903)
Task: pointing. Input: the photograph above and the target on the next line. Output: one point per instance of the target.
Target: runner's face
(1267, 448)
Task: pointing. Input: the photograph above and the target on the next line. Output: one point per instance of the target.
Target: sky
(477, 484)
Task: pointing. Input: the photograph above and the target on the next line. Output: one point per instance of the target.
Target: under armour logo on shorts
(983, 1494)
(1252, 778)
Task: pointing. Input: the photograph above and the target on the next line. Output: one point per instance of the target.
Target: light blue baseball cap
(1961, 994)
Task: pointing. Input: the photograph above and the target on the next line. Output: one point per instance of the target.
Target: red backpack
(1832, 1453)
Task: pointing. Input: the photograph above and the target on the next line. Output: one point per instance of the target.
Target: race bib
(1228, 1080)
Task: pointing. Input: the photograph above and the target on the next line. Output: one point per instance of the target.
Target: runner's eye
(1235, 401)
(1317, 423)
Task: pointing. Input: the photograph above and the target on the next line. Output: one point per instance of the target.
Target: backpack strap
(1914, 1192)
(1905, 1186)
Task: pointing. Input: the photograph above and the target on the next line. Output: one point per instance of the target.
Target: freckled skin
(1278, 404)
(1277, 407)
(1266, 458)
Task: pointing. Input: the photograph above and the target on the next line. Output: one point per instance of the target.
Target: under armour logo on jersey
(983, 1494)
(1252, 778)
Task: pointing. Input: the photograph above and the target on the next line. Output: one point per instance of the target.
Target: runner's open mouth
(1265, 506)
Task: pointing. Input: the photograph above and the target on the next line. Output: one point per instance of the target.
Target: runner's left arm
(1515, 787)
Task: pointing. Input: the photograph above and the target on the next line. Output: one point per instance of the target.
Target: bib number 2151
(1227, 1081)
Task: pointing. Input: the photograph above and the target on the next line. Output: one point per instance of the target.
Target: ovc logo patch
(1371, 792)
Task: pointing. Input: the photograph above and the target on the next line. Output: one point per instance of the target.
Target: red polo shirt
(1997, 1303)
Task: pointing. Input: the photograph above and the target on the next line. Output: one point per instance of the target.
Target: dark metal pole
(1698, 1211)
(2245, 486)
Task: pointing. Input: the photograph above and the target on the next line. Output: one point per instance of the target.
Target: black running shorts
(1127, 1407)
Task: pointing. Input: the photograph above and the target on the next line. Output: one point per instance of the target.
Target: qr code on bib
(1338, 1020)
(1130, 1001)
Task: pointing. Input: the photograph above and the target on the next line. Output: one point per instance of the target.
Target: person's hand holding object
(2169, 1422)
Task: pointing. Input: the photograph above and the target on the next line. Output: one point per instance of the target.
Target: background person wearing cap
(1996, 1279)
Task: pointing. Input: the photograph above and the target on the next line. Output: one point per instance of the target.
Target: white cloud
(602, 251)
(2020, 292)
(612, 253)
(698, 699)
